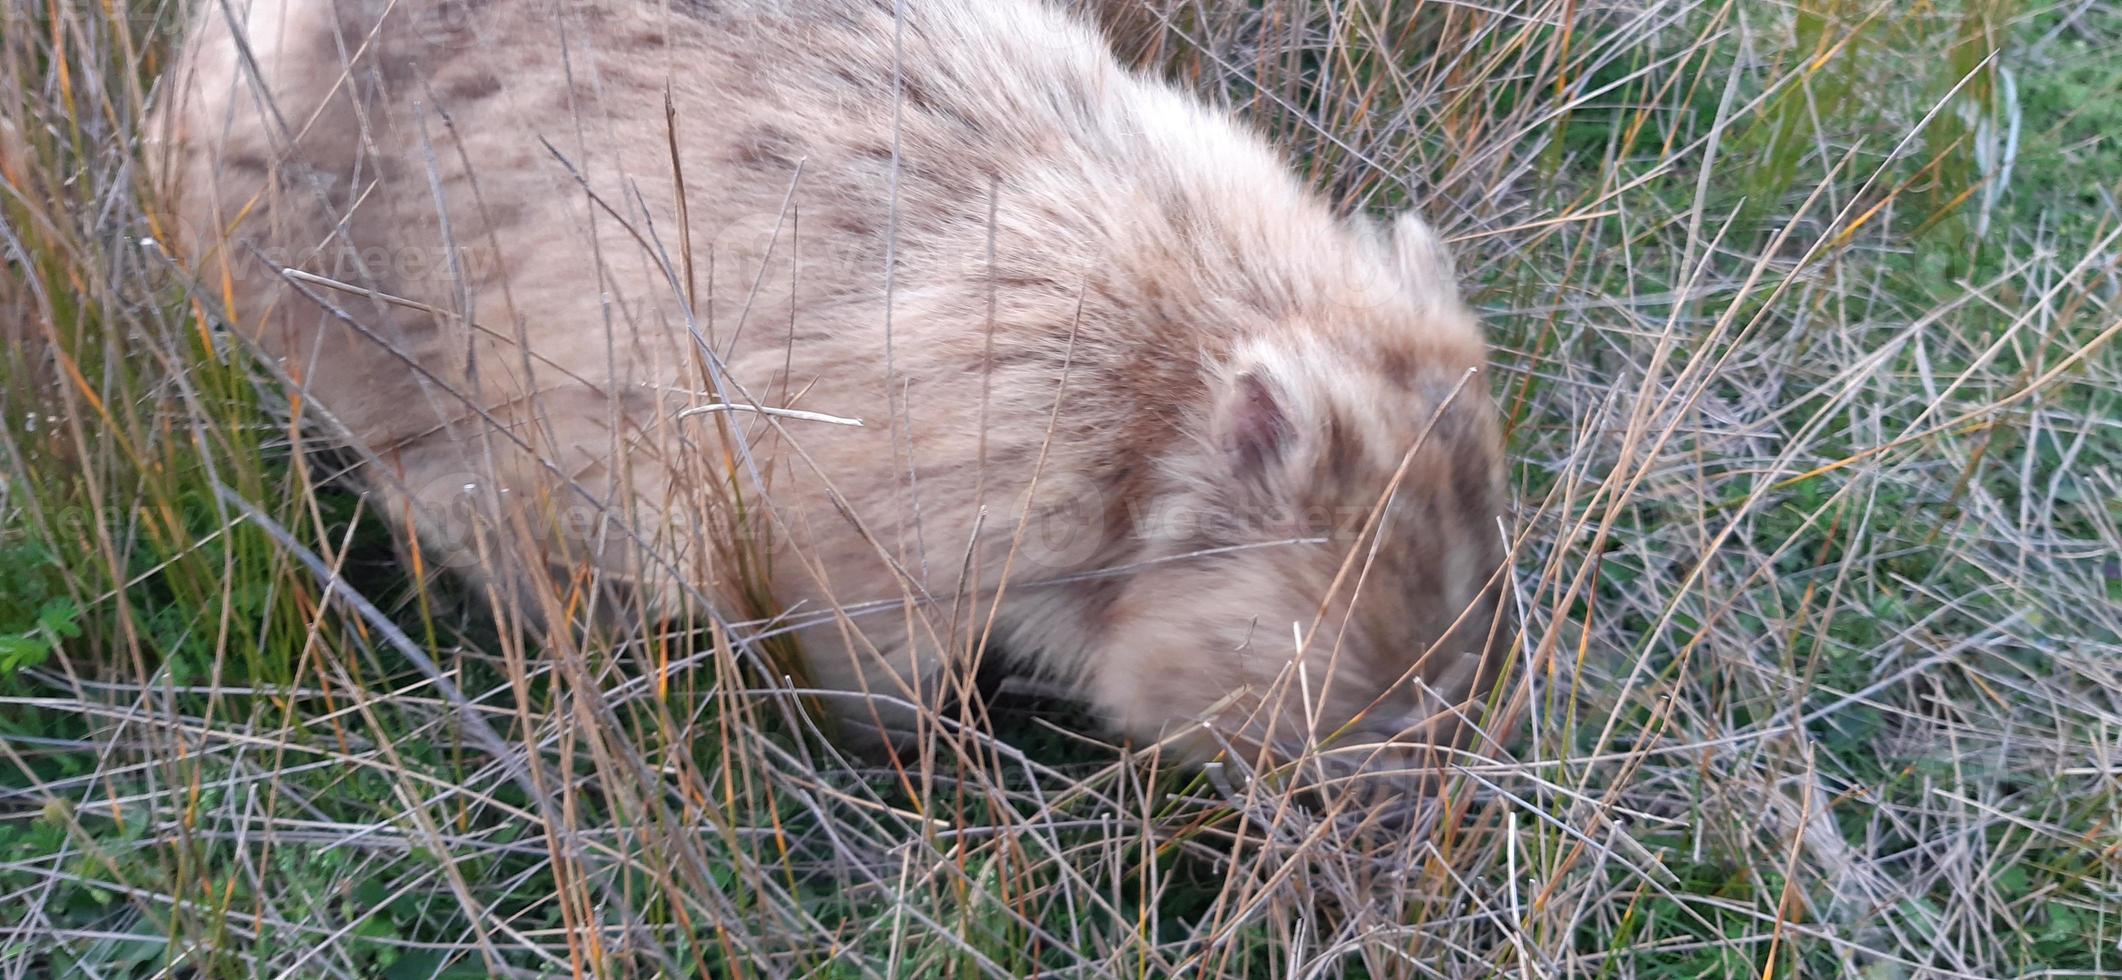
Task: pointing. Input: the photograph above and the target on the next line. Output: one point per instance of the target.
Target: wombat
(1134, 405)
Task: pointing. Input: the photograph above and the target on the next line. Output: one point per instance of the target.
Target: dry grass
(1805, 316)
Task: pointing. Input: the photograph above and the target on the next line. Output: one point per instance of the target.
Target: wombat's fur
(1060, 295)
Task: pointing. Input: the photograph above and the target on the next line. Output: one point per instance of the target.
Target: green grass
(1804, 316)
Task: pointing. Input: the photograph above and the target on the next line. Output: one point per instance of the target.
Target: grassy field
(1805, 315)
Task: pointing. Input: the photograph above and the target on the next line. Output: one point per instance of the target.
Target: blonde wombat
(1102, 342)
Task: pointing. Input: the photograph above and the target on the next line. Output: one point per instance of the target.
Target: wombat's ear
(1252, 423)
(1421, 256)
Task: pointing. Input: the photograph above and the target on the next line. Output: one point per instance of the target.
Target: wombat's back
(493, 188)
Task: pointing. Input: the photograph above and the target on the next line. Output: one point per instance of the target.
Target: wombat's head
(1342, 505)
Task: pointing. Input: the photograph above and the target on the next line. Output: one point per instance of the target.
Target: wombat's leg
(1154, 696)
(887, 678)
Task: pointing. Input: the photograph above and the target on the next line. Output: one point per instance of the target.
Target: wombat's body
(1057, 293)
